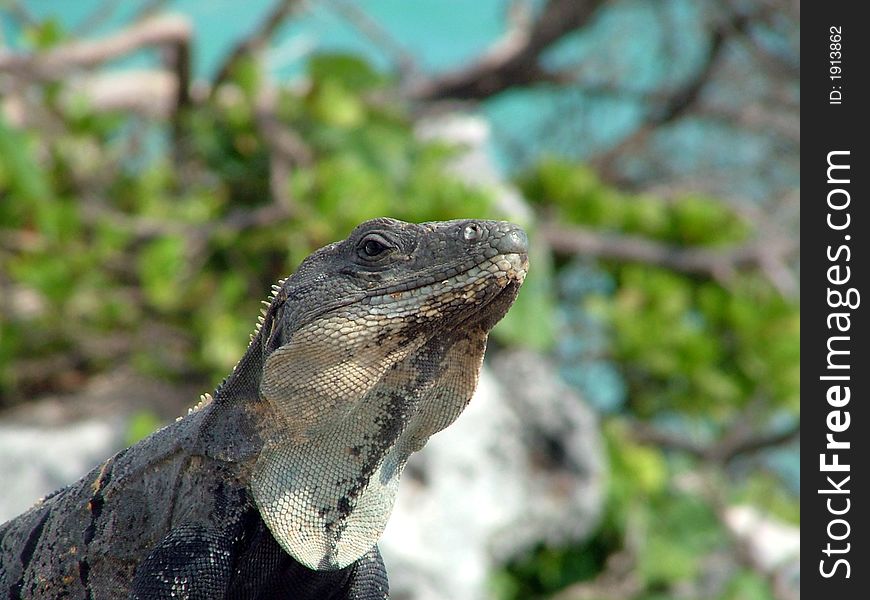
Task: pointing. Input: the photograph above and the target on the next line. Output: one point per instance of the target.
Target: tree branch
(512, 61)
(256, 41)
(171, 32)
(286, 149)
(719, 264)
(737, 442)
(378, 35)
(678, 103)
(55, 64)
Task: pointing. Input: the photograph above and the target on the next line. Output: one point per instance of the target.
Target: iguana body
(280, 485)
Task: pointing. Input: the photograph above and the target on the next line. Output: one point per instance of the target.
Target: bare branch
(678, 103)
(256, 41)
(97, 17)
(18, 11)
(719, 264)
(738, 441)
(754, 117)
(55, 64)
(286, 149)
(147, 228)
(514, 60)
(356, 16)
(148, 10)
(171, 32)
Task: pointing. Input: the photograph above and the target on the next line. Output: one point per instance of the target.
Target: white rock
(37, 460)
(484, 490)
(771, 543)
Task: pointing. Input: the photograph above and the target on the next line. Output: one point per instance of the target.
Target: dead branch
(55, 64)
(738, 441)
(678, 103)
(405, 62)
(148, 10)
(170, 32)
(20, 12)
(286, 149)
(512, 61)
(719, 264)
(97, 16)
(756, 117)
(146, 228)
(256, 41)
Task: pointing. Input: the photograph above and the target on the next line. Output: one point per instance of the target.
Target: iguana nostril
(472, 232)
(514, 241)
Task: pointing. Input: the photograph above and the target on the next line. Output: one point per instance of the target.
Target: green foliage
(695, 346)
(547, 570)
(670, 533)
(19, 172)
(44, 34)
(767, 493)
(576, 194)
(696, 355)
(681, 532)
(683, 342)
(160, 268)
(348, 70)
(117, 246)
(156, 254)
(747, 585)
(141, 425)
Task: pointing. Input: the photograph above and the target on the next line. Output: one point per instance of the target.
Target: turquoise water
(633, 46)
(441, 34)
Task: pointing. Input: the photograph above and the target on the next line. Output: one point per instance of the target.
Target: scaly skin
(281, 484)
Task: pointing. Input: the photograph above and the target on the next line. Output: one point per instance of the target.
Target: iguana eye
(373, 246)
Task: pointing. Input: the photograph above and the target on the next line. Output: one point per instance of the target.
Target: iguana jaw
(358, 390)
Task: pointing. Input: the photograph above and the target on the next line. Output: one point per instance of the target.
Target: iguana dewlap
(281, 483)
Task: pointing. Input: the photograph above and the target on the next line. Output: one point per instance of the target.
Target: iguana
(280, 483)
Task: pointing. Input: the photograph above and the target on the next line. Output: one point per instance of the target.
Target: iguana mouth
(477, 285)
(511, 268)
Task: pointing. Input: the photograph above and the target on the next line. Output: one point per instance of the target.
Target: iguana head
(373, 345)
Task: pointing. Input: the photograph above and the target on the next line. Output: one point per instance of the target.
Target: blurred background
(635, 434)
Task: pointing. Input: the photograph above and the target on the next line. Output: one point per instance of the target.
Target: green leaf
(45, 34)
(22, 174)
(683, 530)
(333, 104)
(350, 70)
(529, 323)
(142, 424)
(161, 265)
(748, 585)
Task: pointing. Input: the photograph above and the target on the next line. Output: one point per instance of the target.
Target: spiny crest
(204, 400)
(261, 318)
(276, 289)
